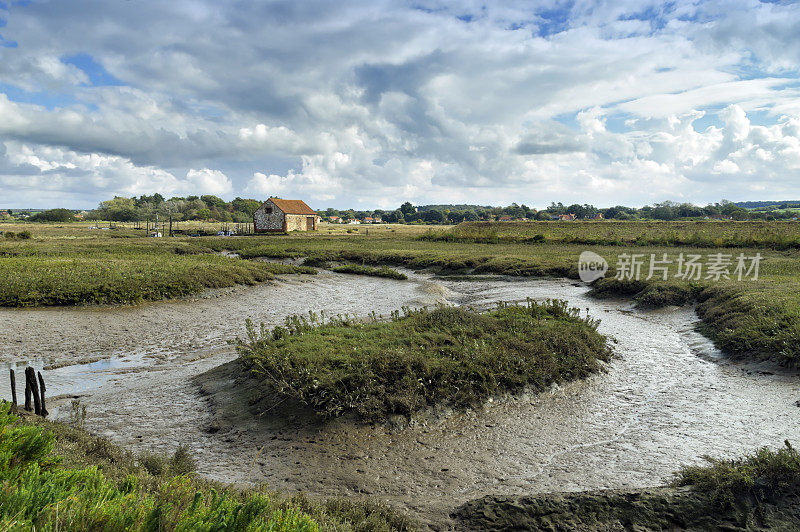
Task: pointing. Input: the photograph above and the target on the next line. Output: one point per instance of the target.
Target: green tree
(54, 215)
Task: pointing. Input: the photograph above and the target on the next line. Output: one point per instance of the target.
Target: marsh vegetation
(421, 358)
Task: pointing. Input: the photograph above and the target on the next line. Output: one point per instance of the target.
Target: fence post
(27, 391)
(13, 390)
(42, 389)
(37, 406)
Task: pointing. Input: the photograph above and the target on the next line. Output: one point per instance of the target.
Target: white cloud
(262, 185)
(358, 103)
(205, 181)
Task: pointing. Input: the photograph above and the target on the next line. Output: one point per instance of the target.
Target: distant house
(369, 220)
(598, 216)
(567, 217)
(335, 219)
(279, 215)
(4, 214)
(354, 222)
(505, 218)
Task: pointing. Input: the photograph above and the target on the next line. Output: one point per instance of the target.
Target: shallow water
(668, 397)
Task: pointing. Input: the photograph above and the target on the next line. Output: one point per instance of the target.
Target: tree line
(209, 207)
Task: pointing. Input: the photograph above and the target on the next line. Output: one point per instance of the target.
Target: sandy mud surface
(667, 399)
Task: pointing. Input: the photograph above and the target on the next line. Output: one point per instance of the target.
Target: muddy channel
(668, 397)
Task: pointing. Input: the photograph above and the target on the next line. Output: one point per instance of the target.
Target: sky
(367, 104)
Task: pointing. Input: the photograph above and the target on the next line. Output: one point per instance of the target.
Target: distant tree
(470, 216)
(394, 217)
(213, 201)
(456, 216)
(245, 206)
(407, 208)
(54, 215)
(434, 216)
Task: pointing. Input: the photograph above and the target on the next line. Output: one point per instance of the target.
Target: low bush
(766, 475)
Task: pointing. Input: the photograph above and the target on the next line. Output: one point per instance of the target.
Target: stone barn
(280, 215)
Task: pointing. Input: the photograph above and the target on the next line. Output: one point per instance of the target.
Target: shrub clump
(382, 271)
(764, 476)
(423, 357)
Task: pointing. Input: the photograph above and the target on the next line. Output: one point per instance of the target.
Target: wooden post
(170, 226)
(42, 390)
(37, 405)
(27, 391)
(13, 390)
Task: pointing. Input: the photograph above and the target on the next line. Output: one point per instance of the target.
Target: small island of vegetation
(421, 358)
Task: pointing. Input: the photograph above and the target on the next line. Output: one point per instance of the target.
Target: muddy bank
(84, 348)
(668, 398)
(613, 510)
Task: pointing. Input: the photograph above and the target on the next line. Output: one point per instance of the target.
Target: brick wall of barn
(298, 222)
(268, 221)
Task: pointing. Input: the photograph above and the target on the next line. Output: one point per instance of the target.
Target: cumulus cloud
(365, 104)
(205, 181)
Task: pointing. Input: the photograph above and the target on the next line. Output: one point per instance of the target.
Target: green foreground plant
(46, 483)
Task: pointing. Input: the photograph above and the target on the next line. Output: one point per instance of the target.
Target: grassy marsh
(422, 358)
(72, 264)
(701, 234)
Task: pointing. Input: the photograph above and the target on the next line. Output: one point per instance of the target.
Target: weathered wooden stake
(27, 391)
(42, 389)
(13, 390)
(37, 405)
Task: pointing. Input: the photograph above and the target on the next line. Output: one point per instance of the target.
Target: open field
(706, 234)
(73, 264)
(423, 358)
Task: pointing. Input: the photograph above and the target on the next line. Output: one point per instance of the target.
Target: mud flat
(614, 510)
(668, 398)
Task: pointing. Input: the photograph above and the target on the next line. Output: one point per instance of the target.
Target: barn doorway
(310, 223)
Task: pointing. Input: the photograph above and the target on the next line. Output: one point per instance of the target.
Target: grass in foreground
(383, 271)
(55, 477)
(448, 355)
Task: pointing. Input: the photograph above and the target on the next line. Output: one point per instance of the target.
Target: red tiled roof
(292, 206)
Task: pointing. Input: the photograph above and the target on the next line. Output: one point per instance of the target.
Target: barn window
(268, 210)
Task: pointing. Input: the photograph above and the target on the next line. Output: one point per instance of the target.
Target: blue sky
(369, 104)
